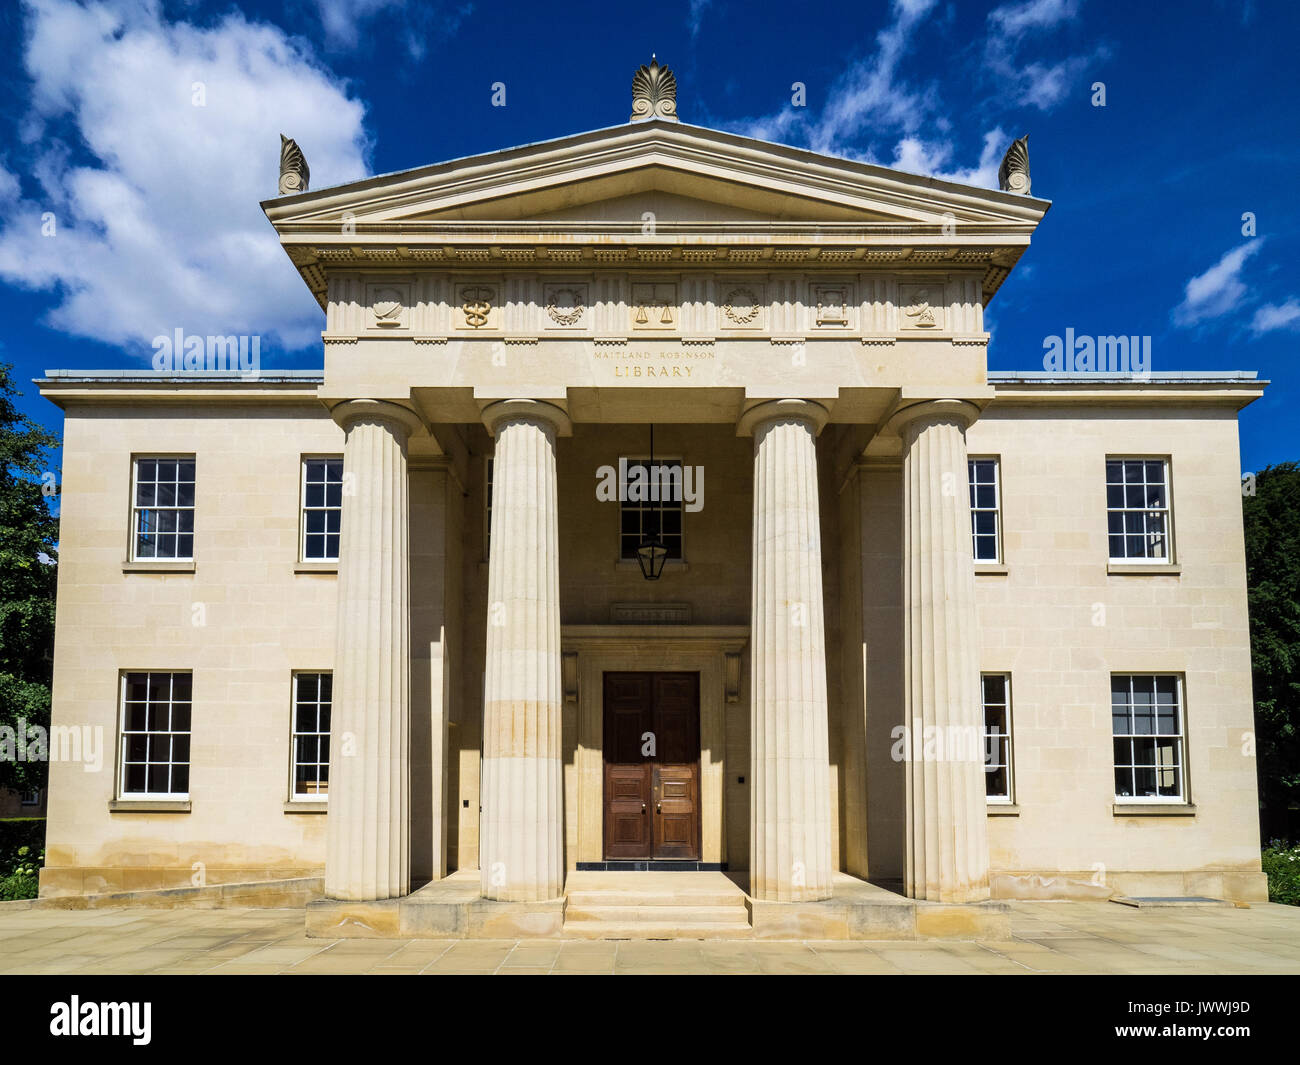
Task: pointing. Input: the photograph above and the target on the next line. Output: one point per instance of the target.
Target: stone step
(656, 930)
(658, 915)
(688, 898)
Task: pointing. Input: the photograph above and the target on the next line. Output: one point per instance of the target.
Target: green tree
(1272, 519)
(29, 534)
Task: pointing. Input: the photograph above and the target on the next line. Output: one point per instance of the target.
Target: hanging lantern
(651, 554)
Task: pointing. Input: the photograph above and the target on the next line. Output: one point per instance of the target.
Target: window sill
(315, 567)
(306, 807)
(1144, 569)
(992, 569)
(1003, 809)
(149, 806)
(1153, 809)
(158, 566)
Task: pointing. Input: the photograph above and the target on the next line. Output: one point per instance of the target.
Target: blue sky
(147, 134)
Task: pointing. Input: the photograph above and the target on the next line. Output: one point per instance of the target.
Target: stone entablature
(651, 303)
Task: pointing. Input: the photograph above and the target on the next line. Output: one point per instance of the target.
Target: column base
(445, 909)
(862, 911)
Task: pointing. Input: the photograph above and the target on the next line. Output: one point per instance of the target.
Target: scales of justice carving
(1013, 174)
(294, 173)
(654, 93)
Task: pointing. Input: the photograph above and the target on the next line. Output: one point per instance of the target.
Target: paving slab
(1048, 937)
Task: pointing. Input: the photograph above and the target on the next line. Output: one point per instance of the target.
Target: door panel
(652, 792)
(628, 698)
(675, 779)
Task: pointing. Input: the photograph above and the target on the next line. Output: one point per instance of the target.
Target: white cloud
(347, 23)
(1218, 290)
(1014, 20)
(872, 97)
(696, 16)
(869, 95)
(342, 19)
(932, 159)
(1038, 83)
(158, 223)
(1274, 316)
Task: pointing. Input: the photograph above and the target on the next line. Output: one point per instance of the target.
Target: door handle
(659, 807)
(643, 808)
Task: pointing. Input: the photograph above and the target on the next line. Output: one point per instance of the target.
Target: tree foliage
(29, 534)
(1272, 520)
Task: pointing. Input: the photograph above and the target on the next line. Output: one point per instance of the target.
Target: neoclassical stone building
(963, 634)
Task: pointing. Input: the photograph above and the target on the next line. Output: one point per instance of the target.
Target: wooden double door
(652, 765)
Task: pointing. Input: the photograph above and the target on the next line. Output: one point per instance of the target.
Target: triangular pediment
(679, 173)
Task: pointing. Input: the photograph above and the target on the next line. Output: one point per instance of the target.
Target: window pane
(995, 783)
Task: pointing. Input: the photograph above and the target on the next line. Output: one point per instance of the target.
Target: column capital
(805, 410)
(392, 415)
(534, 410)
(962, 411)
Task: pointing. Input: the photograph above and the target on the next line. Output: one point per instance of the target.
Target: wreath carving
(568, 297)
(741, 306)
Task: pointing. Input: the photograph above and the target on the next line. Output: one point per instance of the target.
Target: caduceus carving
(294, 174)
(654, 93)
(1013, 174)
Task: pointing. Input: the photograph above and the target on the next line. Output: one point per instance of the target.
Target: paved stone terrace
(1049, 937)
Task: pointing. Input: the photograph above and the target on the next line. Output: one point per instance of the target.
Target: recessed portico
(768, 321)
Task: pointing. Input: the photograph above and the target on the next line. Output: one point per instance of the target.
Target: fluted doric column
(790, 808)
(947, 854)
(522, 833)
(367, 853)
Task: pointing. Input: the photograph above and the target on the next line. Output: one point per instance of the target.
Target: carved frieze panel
(478, 306)
(741, 304)
(922, 305)
(654, 306)
(389, 305)
(831, 305)
(566, 305)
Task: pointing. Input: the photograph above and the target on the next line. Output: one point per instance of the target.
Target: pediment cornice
(490, 211)
(653, 154)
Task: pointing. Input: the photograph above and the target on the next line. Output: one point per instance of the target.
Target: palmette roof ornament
(1013, 174)
(654, 93)
(294, 173)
